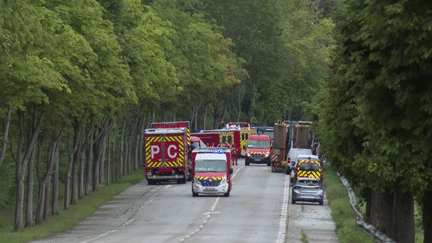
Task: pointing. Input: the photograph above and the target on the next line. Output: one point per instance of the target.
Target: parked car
(308, 189)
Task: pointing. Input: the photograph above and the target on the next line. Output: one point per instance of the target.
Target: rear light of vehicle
(149, 173)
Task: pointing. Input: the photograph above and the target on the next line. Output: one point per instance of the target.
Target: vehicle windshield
(309, 167)
(258, 144)
(308, 182)
(210, 166)
(198, 144)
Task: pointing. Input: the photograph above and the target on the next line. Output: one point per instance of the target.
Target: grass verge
(342, 213)
(67, 218)
(304, 237)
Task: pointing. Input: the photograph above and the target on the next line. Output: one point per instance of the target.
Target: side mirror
(231, 170)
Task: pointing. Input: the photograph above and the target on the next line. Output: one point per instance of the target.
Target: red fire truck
(222, 138)
(166, 154)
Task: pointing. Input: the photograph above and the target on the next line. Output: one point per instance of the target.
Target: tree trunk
(45, 180)
(108, 174)
(6, 124)
(387, 210)
(126, 159)
(205, 116)
(22, 162)
(368, 193)
(89, 165)
(55, 181)
(75, 180)
(72, 171)
(427, 216)
(99, 152)
(403, 217)
(114, 161)
(240, 97)
(47, 197)
(30, 183)
(253, 104)
(122, 150)
(67, 194)
(381, 205)
(136, 153)
(82, 176)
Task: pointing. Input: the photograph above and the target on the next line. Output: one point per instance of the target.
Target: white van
(292, 158)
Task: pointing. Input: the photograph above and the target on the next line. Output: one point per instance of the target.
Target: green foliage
(375, 118)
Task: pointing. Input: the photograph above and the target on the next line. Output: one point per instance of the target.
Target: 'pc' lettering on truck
(166, 155)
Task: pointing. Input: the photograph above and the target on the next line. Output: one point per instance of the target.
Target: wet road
(256, 211)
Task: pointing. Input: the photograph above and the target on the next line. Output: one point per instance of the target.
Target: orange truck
(280, 146)
(166, 154)
(258, 150)
(211, 171)
(288, 135)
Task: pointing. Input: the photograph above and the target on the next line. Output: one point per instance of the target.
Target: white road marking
(284, 213)
(129, 220)
(209, 213)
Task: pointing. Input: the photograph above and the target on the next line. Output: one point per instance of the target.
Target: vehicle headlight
(267, 154)
(196, 181)
(224, 179)
(296, 191)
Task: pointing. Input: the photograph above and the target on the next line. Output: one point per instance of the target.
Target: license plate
(209, 189)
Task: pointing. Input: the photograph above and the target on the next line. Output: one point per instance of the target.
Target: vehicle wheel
(227, 194)
(194, 194)
(268, 163)
(293, 201)
(321, 202)
(246, 161)
(287, 171)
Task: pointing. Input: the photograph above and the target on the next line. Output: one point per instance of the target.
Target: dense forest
(81, 80)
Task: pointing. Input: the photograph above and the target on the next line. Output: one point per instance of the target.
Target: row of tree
(81, 80)
(375, 114)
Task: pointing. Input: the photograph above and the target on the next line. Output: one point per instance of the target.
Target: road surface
(258, 210)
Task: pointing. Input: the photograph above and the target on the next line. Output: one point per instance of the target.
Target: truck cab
(211, 172)
(258, 150)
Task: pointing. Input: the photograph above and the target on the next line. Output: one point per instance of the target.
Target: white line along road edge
(284, 212)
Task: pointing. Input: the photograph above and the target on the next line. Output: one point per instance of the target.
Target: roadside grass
(67, 218)
(342, 213)
(304, 237)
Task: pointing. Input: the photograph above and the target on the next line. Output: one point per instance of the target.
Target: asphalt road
(258, 210)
